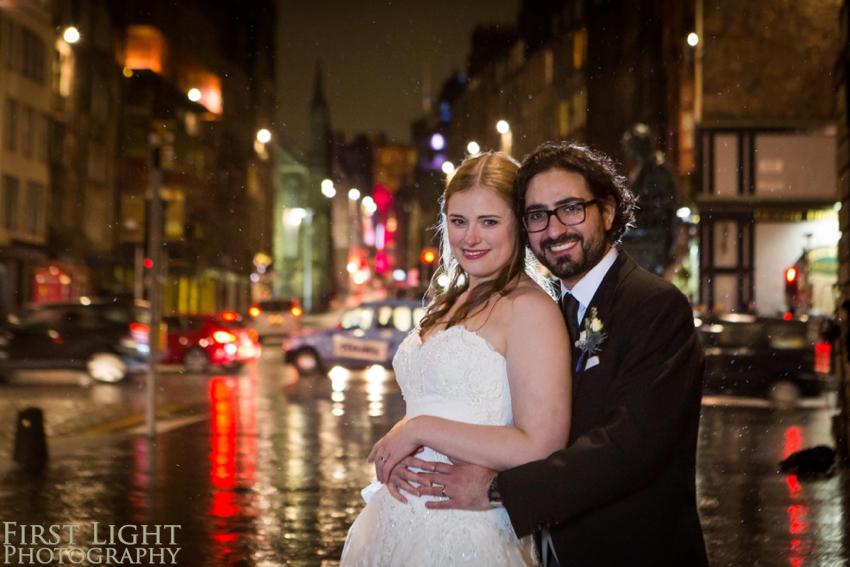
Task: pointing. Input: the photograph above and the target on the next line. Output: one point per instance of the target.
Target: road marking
(128, 422)
(165, 426)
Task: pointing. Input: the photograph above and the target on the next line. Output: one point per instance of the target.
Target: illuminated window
(145, 48)
(579, 49)
(564, 118)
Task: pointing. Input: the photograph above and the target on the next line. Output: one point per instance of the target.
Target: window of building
(27, 131)
(549, 66)
(10, 125)
(42, 141)
(33, 56)
(564, 118)
(7, 40)
(34, 209)
(579, 49)
(97, 162)
(11, 197)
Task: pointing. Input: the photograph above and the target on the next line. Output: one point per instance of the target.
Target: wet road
(265, 468)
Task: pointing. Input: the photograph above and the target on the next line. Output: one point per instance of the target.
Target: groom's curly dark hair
(598, 170)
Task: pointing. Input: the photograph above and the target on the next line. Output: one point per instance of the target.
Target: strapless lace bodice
(455, 374)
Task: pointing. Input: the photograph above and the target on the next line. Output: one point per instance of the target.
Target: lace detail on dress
(456, 375)
(458, 365)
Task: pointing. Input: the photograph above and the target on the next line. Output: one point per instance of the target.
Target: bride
(485, 378)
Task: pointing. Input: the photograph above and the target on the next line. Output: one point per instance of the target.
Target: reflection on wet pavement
(274, 475)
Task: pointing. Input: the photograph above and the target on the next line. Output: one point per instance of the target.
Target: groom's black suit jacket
(623, 490)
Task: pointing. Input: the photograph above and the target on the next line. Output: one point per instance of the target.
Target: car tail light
(229, 316)
(223, 337)
(139, 332)
(254, 311)
(296, 311)
(823, 358)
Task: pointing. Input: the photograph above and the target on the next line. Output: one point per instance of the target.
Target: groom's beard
(583, 258)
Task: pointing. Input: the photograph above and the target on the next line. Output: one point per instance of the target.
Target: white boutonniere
(590, 338)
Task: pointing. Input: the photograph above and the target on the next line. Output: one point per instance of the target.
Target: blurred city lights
(354, 194)
(194, 95)
(693, 39)
(351, 267)
(683, 213)
(127, 72)
(71, 35)
(399, 275)
(837, 206)
(370, 205)
(438, 142)
(473, 148)
(255, 278)
(297, 215)
(263, 136)
(443, 280)
(448, 167)
(502, 127)
(328, 189)
(360, 277)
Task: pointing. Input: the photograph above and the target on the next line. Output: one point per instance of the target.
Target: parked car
(366, 335)
(200, 341)
(107, 338)
(763, 356)
(275, 318)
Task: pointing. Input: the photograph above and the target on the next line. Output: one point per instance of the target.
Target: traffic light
(428, 258)
(791, 288)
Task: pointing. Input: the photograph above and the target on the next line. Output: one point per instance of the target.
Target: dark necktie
(569, 307)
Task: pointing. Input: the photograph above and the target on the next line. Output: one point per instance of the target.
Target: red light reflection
(794, 487)
(792, 440)
(223, 440)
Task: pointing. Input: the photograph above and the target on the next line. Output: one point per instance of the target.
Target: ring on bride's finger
(444, 492)
(382, 458)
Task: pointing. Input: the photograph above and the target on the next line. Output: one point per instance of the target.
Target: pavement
(265, 468)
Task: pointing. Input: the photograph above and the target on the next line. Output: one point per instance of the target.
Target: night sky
(375, 55)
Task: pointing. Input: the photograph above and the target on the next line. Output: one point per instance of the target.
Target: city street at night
(265, 467)
(220, 222)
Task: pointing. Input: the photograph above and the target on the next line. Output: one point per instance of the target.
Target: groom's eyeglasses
(569, 215)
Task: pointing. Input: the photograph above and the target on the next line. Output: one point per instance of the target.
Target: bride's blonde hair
(496, 171)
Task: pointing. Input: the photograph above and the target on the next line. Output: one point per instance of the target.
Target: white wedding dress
(455, 375)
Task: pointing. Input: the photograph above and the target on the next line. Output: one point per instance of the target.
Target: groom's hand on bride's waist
(402, 477)
(460, 487)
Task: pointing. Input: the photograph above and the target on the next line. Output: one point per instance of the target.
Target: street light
(506, 136)
(354, 194)
(448, 167)
(693, 39)
(71, 35)
(328, 189)
(264, 136)
(473, 148)
(194, 95)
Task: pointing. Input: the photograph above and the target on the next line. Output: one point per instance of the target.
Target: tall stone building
(27, 37)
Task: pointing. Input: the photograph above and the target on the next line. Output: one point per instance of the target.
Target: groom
(623, 490)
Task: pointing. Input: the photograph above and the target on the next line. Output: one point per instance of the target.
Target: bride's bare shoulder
(529, 296)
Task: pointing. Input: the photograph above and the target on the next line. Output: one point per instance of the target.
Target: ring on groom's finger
(382, 458)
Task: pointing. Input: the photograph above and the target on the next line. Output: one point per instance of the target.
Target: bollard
(30, 442)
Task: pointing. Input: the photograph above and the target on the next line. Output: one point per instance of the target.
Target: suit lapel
(603, 300)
